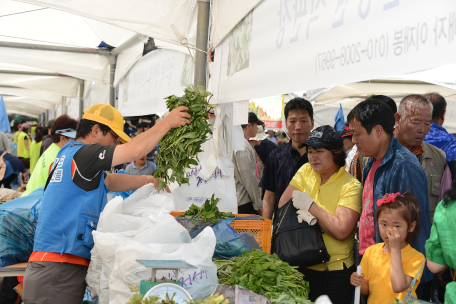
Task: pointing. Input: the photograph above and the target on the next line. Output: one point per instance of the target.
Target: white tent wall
(152, 78)
(34, 94)
(30, 102)
(64, 86)
(226, 14)
(84, 66)
(58, 111)
(126, 59)
(73, 107)
(95, 93)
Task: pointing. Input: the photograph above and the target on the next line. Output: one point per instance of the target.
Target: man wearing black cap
(247, 191)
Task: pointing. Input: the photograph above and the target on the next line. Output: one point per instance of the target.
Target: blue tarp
(4, 122)
(18, 220)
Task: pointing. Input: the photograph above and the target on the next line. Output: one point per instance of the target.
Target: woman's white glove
(301, 200)
(306, 217)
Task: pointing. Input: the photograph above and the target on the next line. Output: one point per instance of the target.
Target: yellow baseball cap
(109, 116)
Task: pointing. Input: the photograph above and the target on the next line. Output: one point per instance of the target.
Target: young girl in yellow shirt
(388, 268)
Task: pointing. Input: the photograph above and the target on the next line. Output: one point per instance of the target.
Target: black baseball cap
(323, 137)
(254, 119)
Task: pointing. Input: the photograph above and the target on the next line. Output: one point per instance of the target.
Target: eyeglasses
(116, 137)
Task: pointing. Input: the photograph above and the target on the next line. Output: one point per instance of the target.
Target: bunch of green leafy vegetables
(208, 211)
(266, 275)
(180, 146)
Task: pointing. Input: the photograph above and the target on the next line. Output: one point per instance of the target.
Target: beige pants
(54, 283)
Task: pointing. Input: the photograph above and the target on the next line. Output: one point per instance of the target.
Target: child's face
(390, 219)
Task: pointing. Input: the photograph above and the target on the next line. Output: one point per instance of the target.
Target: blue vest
(68, 214)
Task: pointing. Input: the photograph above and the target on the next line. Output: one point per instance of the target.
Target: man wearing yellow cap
(76, 194)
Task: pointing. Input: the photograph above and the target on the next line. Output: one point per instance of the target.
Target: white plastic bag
(199, 190)
(200, 282)
(146, 201)
(163, 230)
(96, 263)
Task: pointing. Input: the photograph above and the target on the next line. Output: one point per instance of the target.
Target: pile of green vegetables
(180, 146)
(208, 211)
(266, 275)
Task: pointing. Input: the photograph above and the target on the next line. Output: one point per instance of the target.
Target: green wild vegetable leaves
(266, 275)
(208, 211)
(180, 146)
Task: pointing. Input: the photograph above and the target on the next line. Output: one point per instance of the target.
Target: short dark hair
(39, 131)
(370, 113)
(388, 100)
(409, 209)
(62, 122)
(299, 103)
(126, 125)
(439, 103)
(85, 127)
(338, 155)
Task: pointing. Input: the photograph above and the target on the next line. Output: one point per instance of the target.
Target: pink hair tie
(388, 198)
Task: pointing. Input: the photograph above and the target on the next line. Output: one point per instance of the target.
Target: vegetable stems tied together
(180, 146)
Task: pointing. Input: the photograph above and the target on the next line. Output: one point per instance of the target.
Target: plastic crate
(261, 230)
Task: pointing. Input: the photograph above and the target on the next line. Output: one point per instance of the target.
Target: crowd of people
(30, 153)
(382, 191)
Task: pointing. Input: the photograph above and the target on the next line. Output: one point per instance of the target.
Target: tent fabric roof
(349, 95)
(32, 24)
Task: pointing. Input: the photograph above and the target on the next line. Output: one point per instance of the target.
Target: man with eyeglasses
(74, 196)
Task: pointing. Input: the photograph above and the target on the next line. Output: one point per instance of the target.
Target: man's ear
(397, 118)
(443, 115)
(378, 130)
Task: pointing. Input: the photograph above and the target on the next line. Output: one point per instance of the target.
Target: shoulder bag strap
(50, 175)
(414, 279)
(276, 229)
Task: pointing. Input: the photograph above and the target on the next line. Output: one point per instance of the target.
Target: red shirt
(366, 222)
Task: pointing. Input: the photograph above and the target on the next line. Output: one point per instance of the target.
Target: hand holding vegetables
(180, 146)
(177, 117)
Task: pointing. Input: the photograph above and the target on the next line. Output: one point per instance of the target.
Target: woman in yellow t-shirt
(322, 189)
(388, 268)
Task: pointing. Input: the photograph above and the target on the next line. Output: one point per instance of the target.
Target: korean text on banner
(269, 110)
(289, 46)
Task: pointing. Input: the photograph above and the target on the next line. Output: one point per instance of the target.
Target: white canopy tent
(441, 80)
(44, 53)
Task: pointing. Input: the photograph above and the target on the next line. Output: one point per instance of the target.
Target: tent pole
(202, 32)
(112, 72)
(116, 51)
(41, 47)
(30, 73)
(63, 105)
(81, 98)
